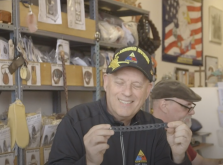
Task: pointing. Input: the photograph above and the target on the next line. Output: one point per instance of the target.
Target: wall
(206, 114)
(155, 8)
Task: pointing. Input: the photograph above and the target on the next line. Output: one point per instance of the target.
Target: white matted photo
(32, 157)
(5, 140)
(215, 25)
(63, 45)
(57, 75)
(49, 132)
(34, 126)
(88, 76)
(50, 11)
(35, 77)
(76, 14)
(7, 159)
(46, 152)
(4, 50)
(6, 79)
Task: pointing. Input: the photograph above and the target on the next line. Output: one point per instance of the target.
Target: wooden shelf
(201, 134)
(120, 9)
(202, 146)
(60, 30)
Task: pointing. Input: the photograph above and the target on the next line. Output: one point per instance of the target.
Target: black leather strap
(139, 127)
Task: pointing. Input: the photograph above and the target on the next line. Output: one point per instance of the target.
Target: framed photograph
(211, 64)
(182, 75)
(182, 32)
(191, 79)
(215, 25)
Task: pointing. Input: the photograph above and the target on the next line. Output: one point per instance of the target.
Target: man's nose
(192, 112)
(127, 91)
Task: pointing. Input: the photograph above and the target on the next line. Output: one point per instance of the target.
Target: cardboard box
(89, 33)
(6, 5)
(45, 72)
(5, 16)
(44, 154)
(74, 75)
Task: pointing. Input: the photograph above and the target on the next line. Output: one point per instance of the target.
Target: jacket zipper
(123, 147)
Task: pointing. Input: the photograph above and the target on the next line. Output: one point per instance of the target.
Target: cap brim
(134, 66)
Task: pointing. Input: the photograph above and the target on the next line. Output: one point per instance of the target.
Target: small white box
(7, 158)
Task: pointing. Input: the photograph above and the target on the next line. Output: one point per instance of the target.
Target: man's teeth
(125, 102)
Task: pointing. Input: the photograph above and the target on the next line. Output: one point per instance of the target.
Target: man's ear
(163, 105)
(149, 89)
(105, 78)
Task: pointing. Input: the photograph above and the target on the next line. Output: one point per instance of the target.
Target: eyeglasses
(189, 108)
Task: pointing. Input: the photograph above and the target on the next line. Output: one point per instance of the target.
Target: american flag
(182, 23)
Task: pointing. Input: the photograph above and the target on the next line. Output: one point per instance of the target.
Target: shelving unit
(7, 88)
(7, 27)
(202, 146)
(110, 45)
(113, 7)
(120, 9)
(47, 34)
(53, 88)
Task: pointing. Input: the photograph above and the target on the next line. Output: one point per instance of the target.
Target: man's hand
(179, 138)
(95, 141)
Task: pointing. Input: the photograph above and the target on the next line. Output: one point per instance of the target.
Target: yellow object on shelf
(18, 125)
(89, 33)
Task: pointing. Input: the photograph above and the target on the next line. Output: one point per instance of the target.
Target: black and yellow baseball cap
(132, 56)
(173, 88)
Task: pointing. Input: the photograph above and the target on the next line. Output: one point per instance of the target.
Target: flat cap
(173, 88)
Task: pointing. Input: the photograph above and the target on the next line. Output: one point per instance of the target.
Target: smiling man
(84, 136)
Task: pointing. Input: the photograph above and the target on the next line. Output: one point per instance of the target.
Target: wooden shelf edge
(202, 146)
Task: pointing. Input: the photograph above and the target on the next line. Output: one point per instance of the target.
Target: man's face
(126, 92)
(176, 112)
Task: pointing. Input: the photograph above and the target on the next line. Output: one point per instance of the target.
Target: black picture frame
(182, 75)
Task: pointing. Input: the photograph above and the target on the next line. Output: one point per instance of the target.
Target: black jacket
(140, 147)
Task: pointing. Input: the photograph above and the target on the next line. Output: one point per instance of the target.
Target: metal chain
(64, 79)
(139, 127)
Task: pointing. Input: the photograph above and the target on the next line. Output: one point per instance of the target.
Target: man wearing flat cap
(174, 101)
(86, 134)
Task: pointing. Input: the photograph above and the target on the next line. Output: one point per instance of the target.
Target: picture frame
(182, 75)
(181, 43)
(211, 64)
(191, 79)
(215, 25)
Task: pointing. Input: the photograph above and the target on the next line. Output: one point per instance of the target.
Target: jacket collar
(135, 120)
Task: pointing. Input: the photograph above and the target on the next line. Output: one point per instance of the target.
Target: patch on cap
(132, 57)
